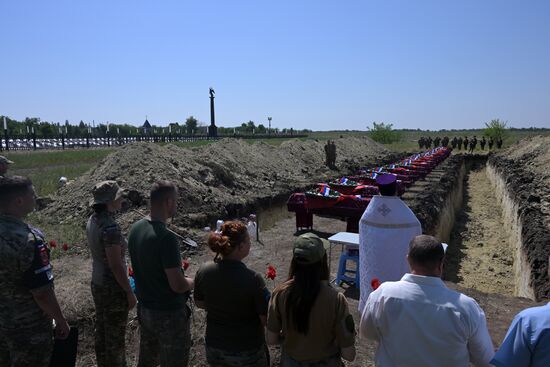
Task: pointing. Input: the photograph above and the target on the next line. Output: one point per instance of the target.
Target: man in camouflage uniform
(454, 142)
(111, 290)
(459, 142)
(333, 155)
(4, 165)
(421, 142)
(327, 154)
(473, 143)
(27, 298)
(429, 142)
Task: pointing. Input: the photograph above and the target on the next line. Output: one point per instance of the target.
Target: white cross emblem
(384, 210)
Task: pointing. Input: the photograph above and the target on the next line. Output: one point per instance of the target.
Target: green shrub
(383, 133)
(495, 129)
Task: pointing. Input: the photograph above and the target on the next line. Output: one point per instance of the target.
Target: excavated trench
(497, 242)
(469, 203)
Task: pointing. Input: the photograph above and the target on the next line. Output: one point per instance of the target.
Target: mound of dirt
(225, 179)
(525, 167)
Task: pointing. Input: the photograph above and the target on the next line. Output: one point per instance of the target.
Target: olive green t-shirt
(331, 326)
(235, 297)
(152, 249)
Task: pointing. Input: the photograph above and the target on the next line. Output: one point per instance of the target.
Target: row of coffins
(348, 197)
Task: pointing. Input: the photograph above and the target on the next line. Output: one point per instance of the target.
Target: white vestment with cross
(385, 230)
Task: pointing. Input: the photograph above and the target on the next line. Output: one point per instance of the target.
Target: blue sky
(322, 65)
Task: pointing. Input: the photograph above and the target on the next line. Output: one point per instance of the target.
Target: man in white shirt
(419, 322)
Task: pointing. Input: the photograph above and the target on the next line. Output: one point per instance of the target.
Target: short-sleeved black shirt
(235, 297)
(152, 249)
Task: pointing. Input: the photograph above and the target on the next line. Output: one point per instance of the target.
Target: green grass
(45, 179)
(45, 168)
(73, 234)
(34, 159)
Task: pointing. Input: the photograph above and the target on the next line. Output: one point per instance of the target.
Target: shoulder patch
(111, 235)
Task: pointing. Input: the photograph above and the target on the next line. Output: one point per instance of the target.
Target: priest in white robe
(385, 231)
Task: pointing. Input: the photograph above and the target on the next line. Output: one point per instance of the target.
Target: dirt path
(479, 254)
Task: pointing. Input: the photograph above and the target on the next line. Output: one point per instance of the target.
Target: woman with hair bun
(235, 299)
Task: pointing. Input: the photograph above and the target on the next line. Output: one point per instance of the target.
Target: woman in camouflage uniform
(113, 296)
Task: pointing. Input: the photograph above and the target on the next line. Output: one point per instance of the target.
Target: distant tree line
(191, 126)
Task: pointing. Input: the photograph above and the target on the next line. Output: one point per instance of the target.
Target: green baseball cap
(106, 191)
(309, 248)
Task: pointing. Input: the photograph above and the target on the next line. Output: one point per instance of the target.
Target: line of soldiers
(330, 154)
(468, 144)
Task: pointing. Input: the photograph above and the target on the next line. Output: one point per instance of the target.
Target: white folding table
(345, 239)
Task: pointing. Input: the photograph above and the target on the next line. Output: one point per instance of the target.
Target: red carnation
(52, 244)
(65, 247)
(271, 273)
(130, 271)
(185, 264)
(375, 283)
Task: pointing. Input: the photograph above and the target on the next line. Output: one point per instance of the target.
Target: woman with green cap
(111, 291)
(306, 315)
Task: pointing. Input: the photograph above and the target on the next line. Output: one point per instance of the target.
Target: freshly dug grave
(226, 179)
(457, 204)
(521, 176)
(481, 254)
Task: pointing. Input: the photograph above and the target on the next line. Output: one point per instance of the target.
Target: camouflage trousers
(165, 337)
(287, 361)
(111, 318)
(250, 358)
(26, 347)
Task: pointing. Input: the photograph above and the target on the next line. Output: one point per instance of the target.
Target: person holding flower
(306, 315)
(111, 290)
(235, 299)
